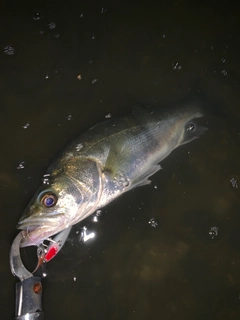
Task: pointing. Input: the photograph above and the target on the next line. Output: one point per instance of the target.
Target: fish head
(52, 209)
(68, 195)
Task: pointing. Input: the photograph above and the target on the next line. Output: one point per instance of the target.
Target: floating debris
(74, 279)
(81, 15)
(224, 60)
(46, 76)
(69, 117)
(9, 50)
(153, 223)
(177, 66)
(79, 77)
(103, 10)
(107, 116)
(224, 72)
(26, 125)
(94, 80)
(21, 165)
(234, 183)
(155, 187)
(213, 232)
(37, 16)
(52, 25)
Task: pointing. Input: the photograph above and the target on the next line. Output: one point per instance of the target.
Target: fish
(104, 162)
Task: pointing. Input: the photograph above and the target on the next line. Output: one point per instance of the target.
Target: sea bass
(106, 161)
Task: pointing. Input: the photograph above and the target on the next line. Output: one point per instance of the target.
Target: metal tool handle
(29, 299)
(28, 303)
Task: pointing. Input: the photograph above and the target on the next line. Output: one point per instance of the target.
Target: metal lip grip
(28, 303)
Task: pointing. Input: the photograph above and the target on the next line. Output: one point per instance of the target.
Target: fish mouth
(35, 231)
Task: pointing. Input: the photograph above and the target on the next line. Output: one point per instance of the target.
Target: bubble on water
(69, 117)
(79, 146)
(234, 182)
(176, 66)
(37, 16)
(153, 223)
(213, 232)
(26, 125)
(107, 116)
(9, 50)
(94, 81)
(52, 25)
(103, 10)
(97, 214)
(224, 60)
(224, 72)
(46, 178)
(21, 165)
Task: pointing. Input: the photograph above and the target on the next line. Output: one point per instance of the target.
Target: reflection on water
(67, 66)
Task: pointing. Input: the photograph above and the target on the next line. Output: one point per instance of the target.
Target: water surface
(64, 67)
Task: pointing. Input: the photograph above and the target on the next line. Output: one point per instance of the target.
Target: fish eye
(49, 200)
(191, 127)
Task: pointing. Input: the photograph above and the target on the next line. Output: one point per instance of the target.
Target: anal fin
(142, 179)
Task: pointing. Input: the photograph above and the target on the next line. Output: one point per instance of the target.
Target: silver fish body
(106, 161)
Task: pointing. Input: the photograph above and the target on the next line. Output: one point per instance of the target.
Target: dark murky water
(64, 66)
